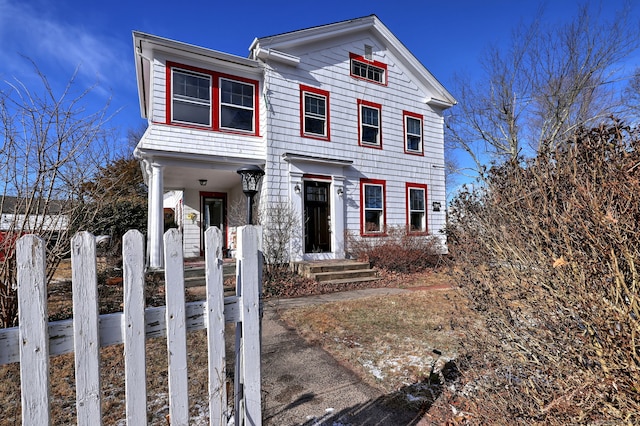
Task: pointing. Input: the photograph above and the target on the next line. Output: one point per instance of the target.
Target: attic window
(369, 70)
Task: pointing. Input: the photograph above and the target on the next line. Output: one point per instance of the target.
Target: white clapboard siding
(35, 340)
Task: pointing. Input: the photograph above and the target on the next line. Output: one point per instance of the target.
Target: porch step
(336, 271)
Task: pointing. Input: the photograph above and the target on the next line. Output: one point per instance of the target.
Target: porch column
(337, 216)
(296, 192)
(156, 217)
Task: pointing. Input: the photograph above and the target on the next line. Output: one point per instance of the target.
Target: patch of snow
(368, 365)
(412, 398)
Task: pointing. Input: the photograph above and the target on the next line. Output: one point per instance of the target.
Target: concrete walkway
(303, 385)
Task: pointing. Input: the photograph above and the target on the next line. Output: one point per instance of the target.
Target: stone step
(345, 275)
(352, 280)
(310, 269)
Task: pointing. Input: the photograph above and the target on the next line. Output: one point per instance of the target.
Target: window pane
(369, 116)
(413, 126)
(370, 135)
(191, 86)
(314, 105)
(413, 143)
(236, 93)
(416, 199)
(236, 118)
(417, 221)
(373, 221)
(314, 125)
(373, 197)
(191, 113)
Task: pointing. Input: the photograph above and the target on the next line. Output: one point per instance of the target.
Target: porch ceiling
(176, 177)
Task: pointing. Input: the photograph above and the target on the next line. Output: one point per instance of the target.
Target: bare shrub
(397, 251)
(547, 252)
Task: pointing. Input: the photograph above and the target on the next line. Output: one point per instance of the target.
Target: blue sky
(446, 36)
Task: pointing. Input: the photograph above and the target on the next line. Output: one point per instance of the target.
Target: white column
(156, 217)
(296, 191)
(337, 216)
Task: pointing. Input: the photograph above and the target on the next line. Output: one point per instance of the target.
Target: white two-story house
(345, 122)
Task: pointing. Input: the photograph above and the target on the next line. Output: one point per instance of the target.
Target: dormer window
(367, 69)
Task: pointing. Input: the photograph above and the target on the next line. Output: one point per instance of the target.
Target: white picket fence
(35, 340)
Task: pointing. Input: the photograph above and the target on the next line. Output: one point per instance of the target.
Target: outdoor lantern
(250, 177)
(436, 206)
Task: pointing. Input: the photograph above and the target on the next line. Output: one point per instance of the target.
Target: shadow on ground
(405, 407)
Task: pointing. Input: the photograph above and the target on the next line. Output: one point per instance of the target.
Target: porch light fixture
(250, 177)
(436, 206)
(340, 191)
(203, 182)
(297, 188)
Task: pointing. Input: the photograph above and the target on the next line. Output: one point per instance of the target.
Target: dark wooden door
(317, 217)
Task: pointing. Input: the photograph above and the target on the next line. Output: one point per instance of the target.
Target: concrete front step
(344, 275)
(338, 271)
(352, 280)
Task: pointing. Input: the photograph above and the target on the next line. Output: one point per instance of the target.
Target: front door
(213, 214)
(317, 217)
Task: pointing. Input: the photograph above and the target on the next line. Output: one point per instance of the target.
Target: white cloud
(33, 31)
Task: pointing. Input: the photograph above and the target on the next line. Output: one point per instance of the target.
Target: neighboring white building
(346, 123)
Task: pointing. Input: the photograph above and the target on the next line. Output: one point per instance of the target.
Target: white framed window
(372, 193)
(369, 127)
(416, 207)
(190, 97)
(367, 69)
(413, 133)
(314, 112)
(237, 105)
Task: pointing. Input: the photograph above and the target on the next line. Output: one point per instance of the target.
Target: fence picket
(176, 328)
(215, 324)
(32, 316)
(85, 329)
(134, 328)
(249, 240)
(35, 340)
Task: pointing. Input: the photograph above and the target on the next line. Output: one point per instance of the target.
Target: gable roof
(275, 47)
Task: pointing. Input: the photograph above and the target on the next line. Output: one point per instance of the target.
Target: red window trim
(362, 102)
(318, 92)
(316, 177)
(422, 186)
(360, 58)
(215, 99)
(382, 183)
(420, 117)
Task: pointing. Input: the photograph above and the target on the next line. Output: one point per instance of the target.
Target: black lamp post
(250, 176)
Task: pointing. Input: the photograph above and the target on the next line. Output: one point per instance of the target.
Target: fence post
(176, 328)
(86, 339)
(249, 253)
(34, 335)
(133, 328)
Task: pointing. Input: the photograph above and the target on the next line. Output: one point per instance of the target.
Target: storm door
(213, 214)
(317, 219)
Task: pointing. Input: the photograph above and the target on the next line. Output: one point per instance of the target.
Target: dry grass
(389, 340)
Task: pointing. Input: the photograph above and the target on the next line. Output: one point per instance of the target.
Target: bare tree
(51, 146)
(281, 229)
(546, 83)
